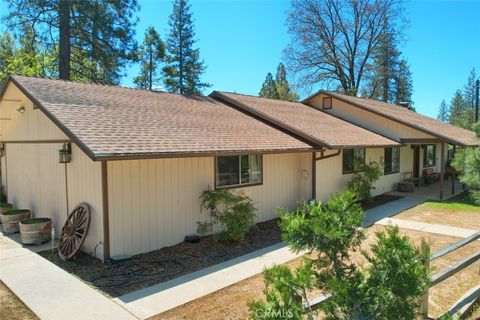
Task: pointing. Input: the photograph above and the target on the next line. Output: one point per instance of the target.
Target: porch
(433, 191)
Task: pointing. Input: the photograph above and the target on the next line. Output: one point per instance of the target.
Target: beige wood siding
(36, 181)
(33, 124)
(85, 185)
(369, 120)
(331, 180)
(155, 203)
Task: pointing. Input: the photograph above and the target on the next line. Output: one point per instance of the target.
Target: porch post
(442, 168)
(454, 175)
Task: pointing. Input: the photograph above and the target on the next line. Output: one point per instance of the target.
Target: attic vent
(327, 103)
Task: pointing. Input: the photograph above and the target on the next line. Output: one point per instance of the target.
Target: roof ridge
(258, 97)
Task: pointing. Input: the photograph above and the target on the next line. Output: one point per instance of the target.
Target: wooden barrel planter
(10, 219)
(36, 231)
(5, 207)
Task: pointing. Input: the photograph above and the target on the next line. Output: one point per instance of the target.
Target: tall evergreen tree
(7, 47)
(469, 89)
(457, 110)
(443, 112)
(151, 54)
(269, 88)
(184, 68)
(283, 87)
(403, 84)
(93, 39)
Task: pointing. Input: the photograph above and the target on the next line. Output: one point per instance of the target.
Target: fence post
(424, 298)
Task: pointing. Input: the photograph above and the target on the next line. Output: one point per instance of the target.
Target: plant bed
(11, 219)
(379, 200)
(35, 231)
(5, 207)
(154, 267)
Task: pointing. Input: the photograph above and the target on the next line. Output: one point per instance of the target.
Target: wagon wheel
(74, 232)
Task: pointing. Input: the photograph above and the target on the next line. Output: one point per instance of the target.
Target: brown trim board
(106, 224)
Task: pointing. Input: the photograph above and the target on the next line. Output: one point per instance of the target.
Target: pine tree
(184, 67)
(269, 88)
(7, 47)
(457, 110)
(93, 39)
(469, 89)
(151, 54)
(443, 112)
(283, 87)
(403, 84)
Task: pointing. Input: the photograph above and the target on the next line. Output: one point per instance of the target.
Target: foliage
(397, 276)
(285, 290)
(403, 85)
(326, 46)
(90, 40)
(467, 162)
(364, 178)
(443, 112)
(278, 88)
(388, 288)
(234, 213)
(184, 67)
(151, 54)
(462, 110)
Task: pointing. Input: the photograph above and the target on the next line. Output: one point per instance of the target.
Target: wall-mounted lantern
(2, 149)
(65, 154)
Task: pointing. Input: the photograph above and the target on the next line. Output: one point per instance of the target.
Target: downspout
(314, 167)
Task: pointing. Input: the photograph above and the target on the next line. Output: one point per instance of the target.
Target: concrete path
(50, 292)
(159, 298)
(389, 209)
(428, 227)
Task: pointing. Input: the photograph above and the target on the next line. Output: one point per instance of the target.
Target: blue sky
(241, 41)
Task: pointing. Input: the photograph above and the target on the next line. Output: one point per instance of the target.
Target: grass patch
(462, 202)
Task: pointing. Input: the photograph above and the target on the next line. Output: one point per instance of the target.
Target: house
(140, 159)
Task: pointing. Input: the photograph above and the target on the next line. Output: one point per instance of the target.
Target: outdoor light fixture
(21, 109)
(2, 149)
(65, 154)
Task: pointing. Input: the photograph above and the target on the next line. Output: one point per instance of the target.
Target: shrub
(389, 288)
(234, 213)
(364, 178)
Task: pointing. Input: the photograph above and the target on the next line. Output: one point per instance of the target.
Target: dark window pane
(348, 156)
(388, 160)
(396, 159)
(228, 171)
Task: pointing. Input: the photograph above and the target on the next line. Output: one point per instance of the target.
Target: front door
(416, 161)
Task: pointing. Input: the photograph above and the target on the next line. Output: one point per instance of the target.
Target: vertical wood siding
(33, 124)
(155, 203)
(84, 178)
(369, 120)
(36, 181)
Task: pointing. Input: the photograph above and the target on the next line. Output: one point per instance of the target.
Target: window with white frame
(238, 170)
(392, 160)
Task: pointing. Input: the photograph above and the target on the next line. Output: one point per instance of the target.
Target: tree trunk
(64, 54)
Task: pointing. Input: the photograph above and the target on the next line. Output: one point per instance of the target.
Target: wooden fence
(446, 273)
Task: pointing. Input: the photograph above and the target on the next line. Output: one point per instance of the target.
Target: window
(238, 170)
(327, 103)
(429, 155)
(349, 156)
(392, 160)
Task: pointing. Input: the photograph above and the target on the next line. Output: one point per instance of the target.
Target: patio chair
(407, 184)
(430, 176)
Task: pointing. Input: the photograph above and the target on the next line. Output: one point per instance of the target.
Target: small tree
(364, 178)
(234, 213)
(388, 288)
(467, 162)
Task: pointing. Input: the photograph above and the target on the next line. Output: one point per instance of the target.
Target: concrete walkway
(159, 298)
(389, 209)
(50, 292)
(428, 227)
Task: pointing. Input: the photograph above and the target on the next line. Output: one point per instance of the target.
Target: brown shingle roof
(312, 124)
(444, 131)
(108, 121)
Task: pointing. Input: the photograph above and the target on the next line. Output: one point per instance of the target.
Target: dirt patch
(11, 308)
(116, 279)
(449, 217)
(231, 302)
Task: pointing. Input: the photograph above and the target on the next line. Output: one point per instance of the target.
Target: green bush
(234, 213)
(364, 178)
(388, 288)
